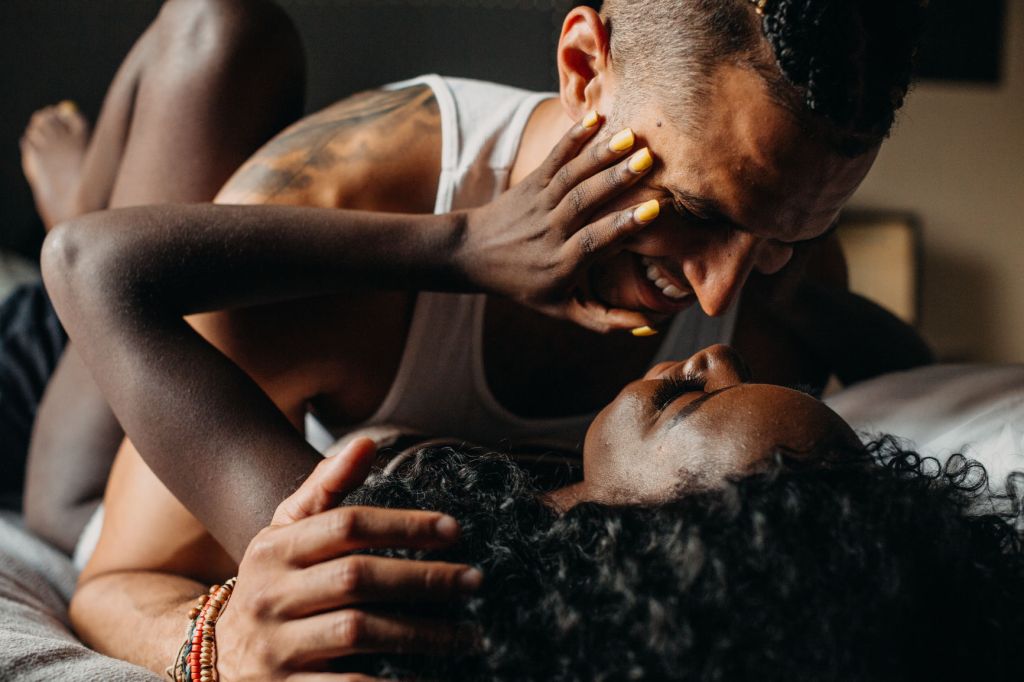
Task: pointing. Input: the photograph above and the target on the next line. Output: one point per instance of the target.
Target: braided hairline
(837, 65)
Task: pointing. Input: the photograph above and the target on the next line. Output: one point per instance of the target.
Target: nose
(718, 277)
(720, 366)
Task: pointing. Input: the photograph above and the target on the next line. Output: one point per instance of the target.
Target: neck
(546, 126)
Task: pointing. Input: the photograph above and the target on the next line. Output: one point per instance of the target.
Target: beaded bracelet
(197, 658)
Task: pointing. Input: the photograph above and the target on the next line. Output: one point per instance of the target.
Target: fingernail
(471, 580)
(641, 161)
(67, 107)
(644, 331)
(647, 211)
(447, 528)
(622, 141)
(590, 120)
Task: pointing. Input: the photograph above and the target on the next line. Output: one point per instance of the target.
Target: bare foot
(52, 149)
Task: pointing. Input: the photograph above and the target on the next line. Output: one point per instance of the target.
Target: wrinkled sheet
(36, 642)
(974, 410)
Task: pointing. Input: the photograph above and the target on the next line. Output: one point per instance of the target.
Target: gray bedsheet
(36, 642)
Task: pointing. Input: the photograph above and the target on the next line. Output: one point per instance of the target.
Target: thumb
(332, 478)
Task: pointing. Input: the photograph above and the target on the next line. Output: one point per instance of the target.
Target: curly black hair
(890, 569)
(845, 63)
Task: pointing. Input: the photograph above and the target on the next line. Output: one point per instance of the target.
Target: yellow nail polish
(590, 120)
(647, 211)
(641, 161)
(644, 331)
(67, 107)
(622, 141)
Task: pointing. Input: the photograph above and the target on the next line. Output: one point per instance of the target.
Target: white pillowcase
(975, 410)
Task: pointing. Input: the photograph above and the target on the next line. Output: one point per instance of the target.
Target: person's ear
(584, 62)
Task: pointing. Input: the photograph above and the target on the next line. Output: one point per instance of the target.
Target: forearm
(74, 440)
(122, 281)
(855, 337)
(137, 617)
(206, 257)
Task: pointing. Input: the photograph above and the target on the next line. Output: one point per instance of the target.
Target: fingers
(362, 579)
(610, 230)
(569, 146)
(601, 319)
(331, 479)
(338, 531)
(350, 632)
(599, 156)
(583, 199)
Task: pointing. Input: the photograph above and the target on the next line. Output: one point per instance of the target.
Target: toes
(43, 121)
(58, 120)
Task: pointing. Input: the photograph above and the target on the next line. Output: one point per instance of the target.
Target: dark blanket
(31, 342)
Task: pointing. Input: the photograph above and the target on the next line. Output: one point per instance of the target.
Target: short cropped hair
(845, 63)
(883, 567)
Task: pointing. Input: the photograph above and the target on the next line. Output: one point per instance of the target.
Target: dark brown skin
(652, 443)
(143, 342)
(202, 68)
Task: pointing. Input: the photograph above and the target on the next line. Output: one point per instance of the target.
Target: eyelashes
(671, 387)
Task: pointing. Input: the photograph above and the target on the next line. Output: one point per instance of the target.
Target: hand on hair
(534, 243)
(300, 597)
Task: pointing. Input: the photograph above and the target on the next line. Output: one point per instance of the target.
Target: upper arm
(378, 150)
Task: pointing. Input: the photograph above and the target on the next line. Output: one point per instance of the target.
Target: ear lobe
(583, 61)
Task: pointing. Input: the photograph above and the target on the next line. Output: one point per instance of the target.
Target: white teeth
(672, 291)
(655, 274)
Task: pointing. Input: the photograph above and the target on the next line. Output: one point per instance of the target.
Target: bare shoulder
(378, 150)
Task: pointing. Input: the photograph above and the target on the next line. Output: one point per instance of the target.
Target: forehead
(747, 158)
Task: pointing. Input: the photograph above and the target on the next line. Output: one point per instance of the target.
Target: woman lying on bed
(747, 572)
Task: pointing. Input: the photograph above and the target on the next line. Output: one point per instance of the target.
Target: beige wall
(956, 159)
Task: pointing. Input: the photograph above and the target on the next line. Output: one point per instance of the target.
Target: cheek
(773, 257)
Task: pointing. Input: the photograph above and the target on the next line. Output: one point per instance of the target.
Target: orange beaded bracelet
(197, 658)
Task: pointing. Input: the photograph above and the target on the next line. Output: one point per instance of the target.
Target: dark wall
(69, 49)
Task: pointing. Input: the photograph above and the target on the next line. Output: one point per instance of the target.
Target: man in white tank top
(755, 159)
(756, 148)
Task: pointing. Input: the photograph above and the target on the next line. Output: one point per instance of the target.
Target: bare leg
(214, 79)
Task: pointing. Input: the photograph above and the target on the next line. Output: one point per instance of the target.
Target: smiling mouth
(659, 291)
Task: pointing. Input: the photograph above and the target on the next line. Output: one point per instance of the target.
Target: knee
(205, 31)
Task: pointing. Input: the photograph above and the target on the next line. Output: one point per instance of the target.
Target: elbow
(76, 262)
(60, 259)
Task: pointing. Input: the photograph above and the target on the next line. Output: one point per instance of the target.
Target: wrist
(456, 250)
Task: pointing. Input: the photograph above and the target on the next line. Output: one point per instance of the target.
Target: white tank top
(441, 387)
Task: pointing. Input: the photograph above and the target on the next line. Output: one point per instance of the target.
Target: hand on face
(536, 242)
(694, 423)
(303, 599)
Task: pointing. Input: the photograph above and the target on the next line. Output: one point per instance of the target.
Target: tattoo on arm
(352, 130)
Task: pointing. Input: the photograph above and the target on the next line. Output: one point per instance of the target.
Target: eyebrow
(694, 405)
(708, 210)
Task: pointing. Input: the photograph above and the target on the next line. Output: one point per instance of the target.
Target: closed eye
(671, 387)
